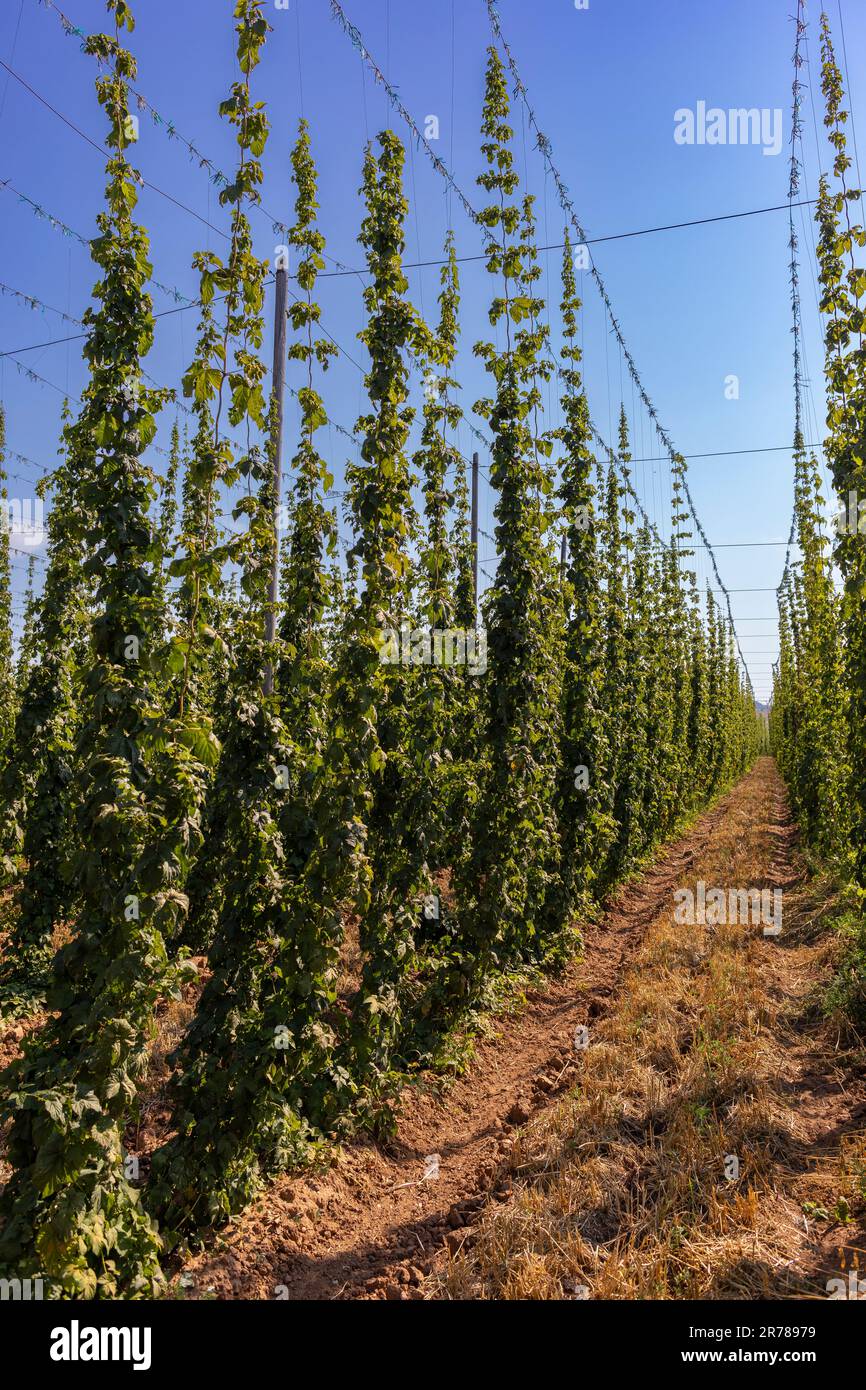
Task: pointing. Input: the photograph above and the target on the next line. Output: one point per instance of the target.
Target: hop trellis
(819, 689)
(272, 827)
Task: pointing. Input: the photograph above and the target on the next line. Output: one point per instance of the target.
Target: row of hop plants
(194, 787)
(818, 713)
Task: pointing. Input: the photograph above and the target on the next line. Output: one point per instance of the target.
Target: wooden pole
(563, 555)
(278, 387)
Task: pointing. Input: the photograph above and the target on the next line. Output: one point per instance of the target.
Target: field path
(715, 1147)
(371, 1225)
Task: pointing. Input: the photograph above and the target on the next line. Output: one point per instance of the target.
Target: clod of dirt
(455, 1240)
(519, 1113)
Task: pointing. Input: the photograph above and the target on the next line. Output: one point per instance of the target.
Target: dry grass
(620, 1191)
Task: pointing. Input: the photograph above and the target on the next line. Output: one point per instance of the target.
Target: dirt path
(372, 1225)
(715, 1147)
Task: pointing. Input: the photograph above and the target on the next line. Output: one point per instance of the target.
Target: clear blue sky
(695, 305)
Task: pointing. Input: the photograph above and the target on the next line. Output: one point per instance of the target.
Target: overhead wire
(544, 145)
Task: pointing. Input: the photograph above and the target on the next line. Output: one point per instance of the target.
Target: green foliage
(306, 583)
(505, 882)
(446, 703)
(614, 695)
(177, 800)
(7, 662)
(585, 827)
(465, 607)
(818, 716)
(168, 507)
(71, 1214)
(809, 705)
(36, 789)
(231, 1113)
(383, 512)
(436, 457)
(27, 645)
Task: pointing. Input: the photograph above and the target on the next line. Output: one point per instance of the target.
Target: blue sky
(696, 305)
